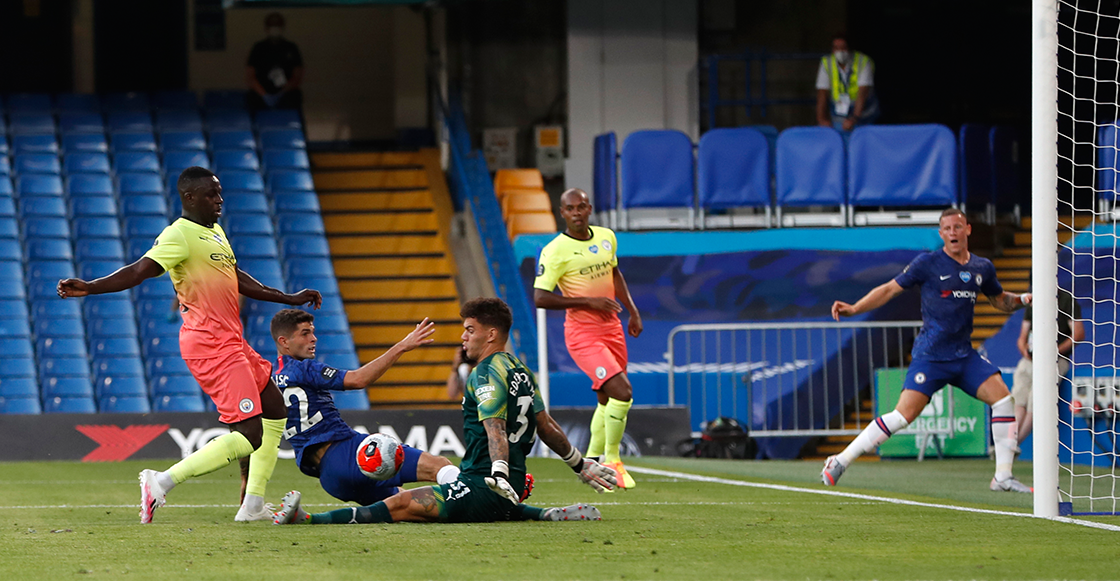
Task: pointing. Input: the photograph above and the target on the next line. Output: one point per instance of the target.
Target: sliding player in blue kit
(943, 353)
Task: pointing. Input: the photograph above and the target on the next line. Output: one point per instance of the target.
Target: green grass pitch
(79, 521)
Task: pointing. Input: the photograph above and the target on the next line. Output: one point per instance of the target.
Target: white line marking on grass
(782, 487)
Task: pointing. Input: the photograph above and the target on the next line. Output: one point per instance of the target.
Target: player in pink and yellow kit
(583, 262)
(196, 254)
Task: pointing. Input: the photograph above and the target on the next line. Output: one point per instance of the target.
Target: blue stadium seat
(224, 99)
(48, 249)
(290, 180)
(69, 405)
(97, 227)
(261, 343)
(86, 162)
(356, 399)
(300, 223)
(113, 306)
(117, 368)
(3, 140)
(657, 172)
(175, 385)
(295, 202)
(146, 226)
(182, 141)
(93, 206)
(39, 185)
(334, 343)
(263, 269)
(31, 123)
(91, 142)
(303, 245)
(177, 403)
(77, 103)
(16, 348)
(130, 121)
(901, 166)
(126, 102)
(135, 248)
(40, 290)
(29, 103)
(167, 365)
(253, 307)
(114, 404)
(179, 120)
(132, 141)
(64, 366)
(98, 329)
(19, 386)
(42, 227)
(236, 159)
(37, 163)
(232, 140)
(59, 328)
(56, 309)
(174, 162)
(248, 224)
(9, 227)
(160, 347)
(159, 287)
(733, 171)
(1006, 169)
(605, 177)
(16, 327)
(305, 267)
(13, 288)
(810, 171)
(115, 347)
(259, 324)
(50, 269)
(13, 309)
(275, 159)
(30, 206)
(139, 183)
(10, 250)
(49, 347)
(136, 161)
(331, 324)
(227, 120)
(17, 368)
(144, 205)
(254, 247)
(249, 181)
(89, 184)
(160, 327)
(282, 139)
(170, 100)
(7, 205)
(34, 144)
(5, 163)
(278, 119)
(325, 285)
(20, 405)
(80, 123)
(245, 203)
(98, 249)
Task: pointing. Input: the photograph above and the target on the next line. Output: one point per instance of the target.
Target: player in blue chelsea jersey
(950, 279)
(325, 446)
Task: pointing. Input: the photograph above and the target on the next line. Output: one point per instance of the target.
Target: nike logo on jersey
(946, 277)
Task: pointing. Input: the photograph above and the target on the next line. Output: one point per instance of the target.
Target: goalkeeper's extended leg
(872, 436)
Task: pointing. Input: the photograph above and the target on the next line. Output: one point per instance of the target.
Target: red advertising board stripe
(118, 444)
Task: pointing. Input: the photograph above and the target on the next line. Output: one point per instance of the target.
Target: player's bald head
(573, 197)
(194, 178)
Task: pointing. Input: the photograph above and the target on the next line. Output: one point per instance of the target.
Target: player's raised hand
(597, 476)
(421, 335)
(604, 304)
(308, 297)
(72, 288)
(502, 488)
(1026, 298)
(841, 309)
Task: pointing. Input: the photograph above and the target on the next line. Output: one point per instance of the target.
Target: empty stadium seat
(175, 162)
(37, 163)
(517, 178)
(305, 267)
(177, 403)
(98, 249)
(136, 161)
(29, 103)
(91, 269)
(50, 269)
(174, 385)
(76, 122)
(144, 205)
(249, 181)
(59, 328)
(179, 120)
(290, 180)
(135, 248)
(97, 227)
(278, 119)
(10, 250)
(159, 287)
(282, 139)
(325, 285)
(19, 123)
(522, 201)
(231, 139)
(86, 162)
(31, 206)
(160, 327)
(78, 103)
(92, 142)
(235, 159)
(13, 309)
(534, 223)
(46, 227)
(227, 120)
(657, 172)
(225, 99)
(299, 223)
(89, 184)
(295, 202)
(16, 327)
(39, 185)
(115, 347)
(55, 309)
(133, 101)
(66, 387)
(304, 245)
(254, 247)
(15, 348)
(6, 193)
(39, 290)
(148, 226)
(245, 203)
(9, 228)
(63, 347)
(810, 171)
(139, 183)
(93, 206)
(114, 404)
(182, 141)
(248, 224)
(901, 166)
(275, 159)
(334, 343)
(266, 270)
(69, 405)
(170, 100)
(98, 328)
(24, 386)
(132, 141)
(158, 366)
(5, 164)
(45, 143)
(64, 366)
(20, 405)
(605, 179)
(129, 121)
(160, 347)
(351, 400)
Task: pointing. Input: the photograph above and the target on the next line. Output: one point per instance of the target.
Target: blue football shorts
(341, 478)
(967, 373)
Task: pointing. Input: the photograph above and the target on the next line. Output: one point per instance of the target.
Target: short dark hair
(490, 312)
(272, 17)
(953, 212)
(287, 321)
(189, 179)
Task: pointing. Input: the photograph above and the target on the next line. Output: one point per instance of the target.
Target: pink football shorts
(600, 351)
(234, 381)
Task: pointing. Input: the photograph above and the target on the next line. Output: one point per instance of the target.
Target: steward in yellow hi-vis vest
(846, 88)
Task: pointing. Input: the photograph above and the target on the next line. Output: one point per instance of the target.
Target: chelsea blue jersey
(312, 416)
(949, 291)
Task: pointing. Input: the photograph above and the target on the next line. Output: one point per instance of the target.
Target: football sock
(874, 434)
(614, 425)
(263, 461)
(1003, 436)
(595, 443)
(374, 513)
(217, 454)
(526, 512)
(407, 472)
(449, 473)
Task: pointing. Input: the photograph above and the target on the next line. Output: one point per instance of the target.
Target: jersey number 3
(305, 422)
(524, 404)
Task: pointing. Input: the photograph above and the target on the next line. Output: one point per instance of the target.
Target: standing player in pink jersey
(583, 262)
(195, 252)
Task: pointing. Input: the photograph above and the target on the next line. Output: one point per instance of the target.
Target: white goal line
(867, 497)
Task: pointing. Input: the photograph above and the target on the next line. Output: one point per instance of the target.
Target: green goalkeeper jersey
(500, 387)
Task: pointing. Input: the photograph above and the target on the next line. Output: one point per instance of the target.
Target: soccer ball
(380, 456)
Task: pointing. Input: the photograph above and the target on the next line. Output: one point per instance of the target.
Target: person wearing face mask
(846, 88)
(274, 71)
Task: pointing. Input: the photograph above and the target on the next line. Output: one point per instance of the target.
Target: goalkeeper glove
(591, 473)
(498, 481)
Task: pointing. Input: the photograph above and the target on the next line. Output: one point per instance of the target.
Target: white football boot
(152, 495)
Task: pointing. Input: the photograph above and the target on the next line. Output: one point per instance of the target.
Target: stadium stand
(733, 174)
(658, 177)
(810, 174)
(906, 167)
(605, 179)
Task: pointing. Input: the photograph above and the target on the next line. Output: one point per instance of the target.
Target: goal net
(1085, 287)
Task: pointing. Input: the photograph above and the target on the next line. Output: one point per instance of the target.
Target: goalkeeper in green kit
(502, 415)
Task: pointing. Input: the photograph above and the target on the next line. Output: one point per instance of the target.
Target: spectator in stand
(1070, 331)
(846, 88)
(461, 367)
(275, 70)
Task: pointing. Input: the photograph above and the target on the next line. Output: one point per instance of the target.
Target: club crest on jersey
(607, 245)
(594, 249)
(966, 276)
(979, 280)
(919, 378)
(245, 406)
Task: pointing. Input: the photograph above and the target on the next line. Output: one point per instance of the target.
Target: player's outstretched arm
(253, 289)
(589, 471)
(878, 297)
(622, 293)
(552, 301)
(365, 375)
(124, 278)
(1010, 302)
(498, 444)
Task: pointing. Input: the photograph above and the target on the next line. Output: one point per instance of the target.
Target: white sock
(253, 503)
(449, 473)
(1004, 436)
(165, 481)
(874, 434)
